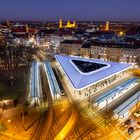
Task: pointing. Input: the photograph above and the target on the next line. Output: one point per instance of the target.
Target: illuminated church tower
(60, 23)
(27, 29)
(68, 25)
(107, 26)
(74, 24)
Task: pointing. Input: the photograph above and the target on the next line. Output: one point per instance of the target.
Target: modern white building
(88, 76)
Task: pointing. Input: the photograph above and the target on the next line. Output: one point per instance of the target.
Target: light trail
(68, 127)
(10, 136)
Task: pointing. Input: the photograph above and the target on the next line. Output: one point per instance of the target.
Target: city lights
(70, 70)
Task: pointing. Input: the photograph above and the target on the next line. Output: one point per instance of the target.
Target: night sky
(70, 9)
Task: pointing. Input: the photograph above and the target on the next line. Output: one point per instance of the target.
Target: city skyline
(123, 10)
(69, 69)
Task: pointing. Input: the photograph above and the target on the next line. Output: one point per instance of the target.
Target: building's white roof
(81, 80)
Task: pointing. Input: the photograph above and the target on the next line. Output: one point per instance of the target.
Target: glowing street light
(9, 121)
(121, 33)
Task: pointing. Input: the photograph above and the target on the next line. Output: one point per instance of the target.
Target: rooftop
(84, 72)
(87, 44)
(72, 42)
(115, 45)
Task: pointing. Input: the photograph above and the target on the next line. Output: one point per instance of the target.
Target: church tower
(74, 24)
(107, 26)
(27, 29)
(68, 24)
(60, 23)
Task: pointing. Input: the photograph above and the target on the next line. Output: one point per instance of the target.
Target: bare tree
(12, 56)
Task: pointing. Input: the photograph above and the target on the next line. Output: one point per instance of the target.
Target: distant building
(104, 36)
(116, 52)
(71, 47)
(86, 50)
(68, 25)
(43, 37)
(23, 29)
(107, 51)
(55, 40)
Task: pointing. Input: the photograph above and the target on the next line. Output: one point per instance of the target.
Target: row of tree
(12, 56)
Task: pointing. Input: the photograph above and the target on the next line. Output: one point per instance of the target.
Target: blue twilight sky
(70, 9)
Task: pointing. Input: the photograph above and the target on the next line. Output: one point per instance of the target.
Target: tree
(12, 56)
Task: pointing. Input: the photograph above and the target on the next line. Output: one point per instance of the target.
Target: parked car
(138, 124)
(128, 122)
(137, 113)
(131, 130)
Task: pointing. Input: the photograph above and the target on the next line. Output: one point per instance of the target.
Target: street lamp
(106, 112)
(137, 101)
(12, 126)
(22, 115)
(89, 94)
(4, 105)
(9, 121)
